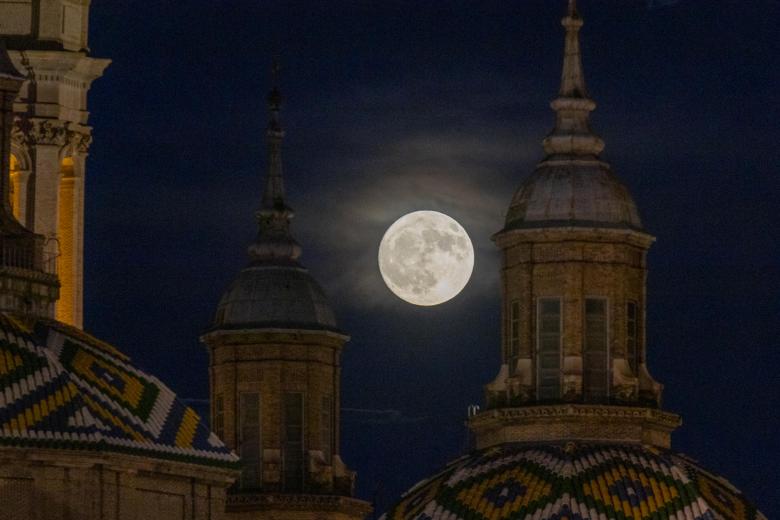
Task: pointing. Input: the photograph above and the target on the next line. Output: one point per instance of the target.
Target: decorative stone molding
(76, 138)
(79, 142)
(40, 131)
(18, 135)
(574, 422)
(298, 502)
(48, 132)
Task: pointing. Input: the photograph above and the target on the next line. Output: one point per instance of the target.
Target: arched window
(549, 349)
(595, 351)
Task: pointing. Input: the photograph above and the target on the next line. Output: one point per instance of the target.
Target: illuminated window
(293, 442)
(632, 350)
(549, 350)
(249, 448)
(326, 418)
(595, 358)
(514, 336)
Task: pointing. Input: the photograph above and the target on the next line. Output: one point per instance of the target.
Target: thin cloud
(465, 177)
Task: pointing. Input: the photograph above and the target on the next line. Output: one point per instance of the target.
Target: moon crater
(426, 258)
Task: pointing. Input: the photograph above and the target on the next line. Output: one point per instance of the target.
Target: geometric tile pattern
(573, 482)
(61, 387)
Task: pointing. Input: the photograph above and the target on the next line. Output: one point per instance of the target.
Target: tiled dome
(573, 482)
(62, 388)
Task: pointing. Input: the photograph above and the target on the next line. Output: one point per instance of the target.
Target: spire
(274, 189)
(274, 243)
(573, 79)
(572, 136)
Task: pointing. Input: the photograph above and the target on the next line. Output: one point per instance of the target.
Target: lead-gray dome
(572, 186)
(273, 296)
(274, 290)
(573, 193)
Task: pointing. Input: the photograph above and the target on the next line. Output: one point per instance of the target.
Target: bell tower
(573, 293)
(47, 42)
(275, 374)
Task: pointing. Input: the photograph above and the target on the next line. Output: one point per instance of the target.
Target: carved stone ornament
(79, 142)
(40, 131)
(18, 135)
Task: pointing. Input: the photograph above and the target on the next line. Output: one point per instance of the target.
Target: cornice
(581, 410)
(574, 422)
(41, 131)
(297, 502)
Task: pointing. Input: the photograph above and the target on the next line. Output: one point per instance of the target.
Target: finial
(572, 136)
(274, 242)
(275, 97)
(276, 70)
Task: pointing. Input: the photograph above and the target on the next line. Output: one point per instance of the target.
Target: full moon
(426, 258)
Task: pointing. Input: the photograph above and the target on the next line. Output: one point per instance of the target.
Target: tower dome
(274, 290)
(277, 297)
(572, 427)
(571, 187)
(574, 482)
(274, 373)
(572, 193)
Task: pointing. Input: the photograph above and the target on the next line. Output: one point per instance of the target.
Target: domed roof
(572, 187)
(275, 296)
(274, 290)
(573, 482)
(62, 388)
(573, 193)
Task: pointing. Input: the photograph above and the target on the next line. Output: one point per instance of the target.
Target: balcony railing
(25, 253)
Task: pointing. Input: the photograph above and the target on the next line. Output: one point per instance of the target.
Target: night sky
(398, 106)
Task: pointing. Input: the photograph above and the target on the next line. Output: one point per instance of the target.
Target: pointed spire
(572, 136)
(573, 79)
(274, 243)
(274, 190)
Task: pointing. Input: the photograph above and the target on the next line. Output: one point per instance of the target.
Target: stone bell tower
(573, 293)
(28, 287)
(47, 42)
(274, 350)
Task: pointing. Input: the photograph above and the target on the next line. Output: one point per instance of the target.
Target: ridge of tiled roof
(63, 388)
(574, 482)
